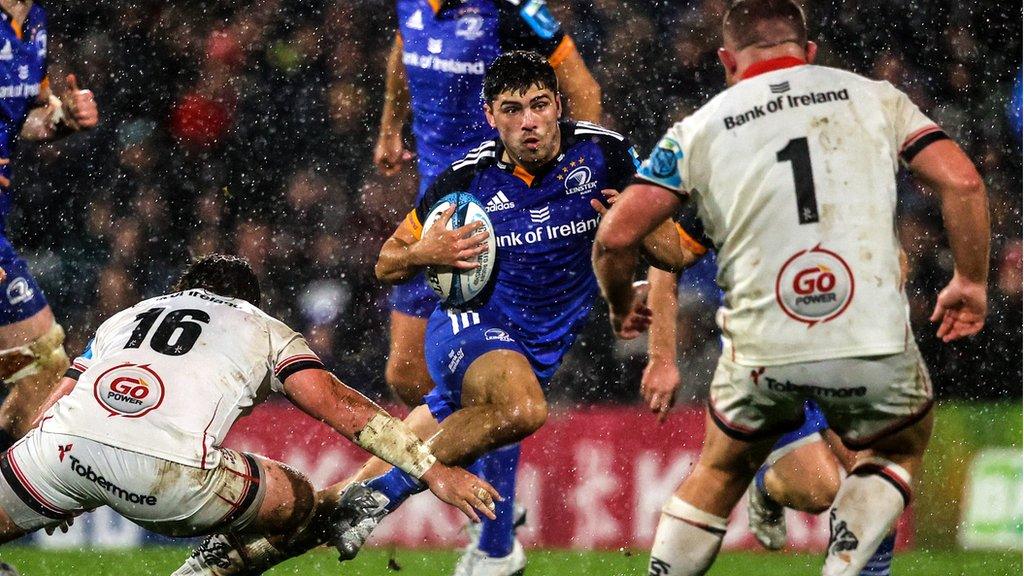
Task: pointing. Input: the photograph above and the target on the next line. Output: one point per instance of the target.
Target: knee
(527, 417)
(292, 512)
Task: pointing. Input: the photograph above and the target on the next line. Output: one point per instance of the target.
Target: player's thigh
(8, 529)
(23, 331)
(504, 378)
(24, 312)
(288, 499)
(905, 447)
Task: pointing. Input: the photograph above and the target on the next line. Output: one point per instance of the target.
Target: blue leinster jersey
(543, 285)
(446, 47)
(22, 78)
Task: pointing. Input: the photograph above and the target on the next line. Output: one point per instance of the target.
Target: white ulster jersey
(792, 174)
(170, 375)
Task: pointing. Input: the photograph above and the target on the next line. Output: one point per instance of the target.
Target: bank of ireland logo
(129, 390)
(814, 286)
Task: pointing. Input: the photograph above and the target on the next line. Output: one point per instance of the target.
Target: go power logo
(129, 390)
(814, 286)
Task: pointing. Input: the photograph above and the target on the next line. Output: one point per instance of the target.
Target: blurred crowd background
(248, 127)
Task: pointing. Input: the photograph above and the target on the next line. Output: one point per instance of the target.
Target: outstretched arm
(661, 375)
(962, 305)
(321, 395)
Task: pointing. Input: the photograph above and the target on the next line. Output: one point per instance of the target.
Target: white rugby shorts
(864, 399)
(46, 478)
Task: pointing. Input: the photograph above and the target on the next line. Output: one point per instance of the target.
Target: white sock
(687, 540)
(869, 501)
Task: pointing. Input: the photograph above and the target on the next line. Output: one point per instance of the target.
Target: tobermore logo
(89, 474)
(129, 390)
(499, 202)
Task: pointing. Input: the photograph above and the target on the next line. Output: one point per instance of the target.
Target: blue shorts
(814, 422)
(454, 340)
(20, 295)
(413, 297)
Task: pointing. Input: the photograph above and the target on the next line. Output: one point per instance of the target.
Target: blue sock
(397, 486)
(881, 563)
(759, 481)
(499, 468)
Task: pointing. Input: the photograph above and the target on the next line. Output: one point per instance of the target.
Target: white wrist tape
(390, 440)
(57, 116)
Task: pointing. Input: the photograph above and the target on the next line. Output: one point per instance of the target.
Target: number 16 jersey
(792, 172)
(170, 375)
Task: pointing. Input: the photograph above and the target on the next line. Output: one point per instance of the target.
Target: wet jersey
(446, 47)
(543, 285)
(170, 375)
(792, 176)
(22, 78)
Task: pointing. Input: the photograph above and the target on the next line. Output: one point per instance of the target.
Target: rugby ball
(457, 287)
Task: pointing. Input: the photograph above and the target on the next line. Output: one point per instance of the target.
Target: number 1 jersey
(170, 375)
(792, 175)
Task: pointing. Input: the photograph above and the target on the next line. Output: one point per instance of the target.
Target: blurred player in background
(792, 172)
(32, 356)
(435, 71)
(138, 421)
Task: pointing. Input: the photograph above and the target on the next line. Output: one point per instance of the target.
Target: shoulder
(596, 132)
(461, 173)
(36, 14)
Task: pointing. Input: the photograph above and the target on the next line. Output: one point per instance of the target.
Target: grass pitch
(163, 561)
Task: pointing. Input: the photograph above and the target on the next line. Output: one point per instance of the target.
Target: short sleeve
(621, 161)
(289, 354)
(914, 131)
(529, 25)
(80, 364)
(454, 179)
(667, 165)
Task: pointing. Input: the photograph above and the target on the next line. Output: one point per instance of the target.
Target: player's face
(528, 125)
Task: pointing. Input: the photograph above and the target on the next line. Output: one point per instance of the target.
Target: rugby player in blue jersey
(492, 358)
(32, 357)
(435, 72)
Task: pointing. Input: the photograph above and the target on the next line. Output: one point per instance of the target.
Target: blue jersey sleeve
(691, 229)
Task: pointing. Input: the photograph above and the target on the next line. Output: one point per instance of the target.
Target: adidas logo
(499, 202)
(415, 22)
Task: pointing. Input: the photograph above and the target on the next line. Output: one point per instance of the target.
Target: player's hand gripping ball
(456, 287)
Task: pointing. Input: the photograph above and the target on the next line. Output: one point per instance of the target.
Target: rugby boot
(361, 510)
(8, 570)
(478, 563)
(767, 519)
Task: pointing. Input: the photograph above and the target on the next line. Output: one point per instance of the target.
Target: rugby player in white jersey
(792, 171)
(138, 421)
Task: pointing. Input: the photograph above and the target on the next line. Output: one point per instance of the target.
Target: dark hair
(518, 71)
(223, 275)
(743, 17)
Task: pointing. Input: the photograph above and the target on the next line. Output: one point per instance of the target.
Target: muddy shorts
(46, 478)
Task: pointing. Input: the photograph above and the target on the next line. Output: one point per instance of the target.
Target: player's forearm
(664, 304)
(663, 250)
(581, 90)
(966, 218)
(396, 93)
(63, 389)
(614, 267)
(321, 395)
(397, 262)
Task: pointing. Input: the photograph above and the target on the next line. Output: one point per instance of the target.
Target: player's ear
(812, 51)
(489, 114)
(728, 60)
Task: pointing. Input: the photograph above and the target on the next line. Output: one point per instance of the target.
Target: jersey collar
(758, 68)
(567, 128)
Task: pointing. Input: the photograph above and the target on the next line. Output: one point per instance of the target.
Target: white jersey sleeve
(289, 353)
(792, 177)
(170, 375)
